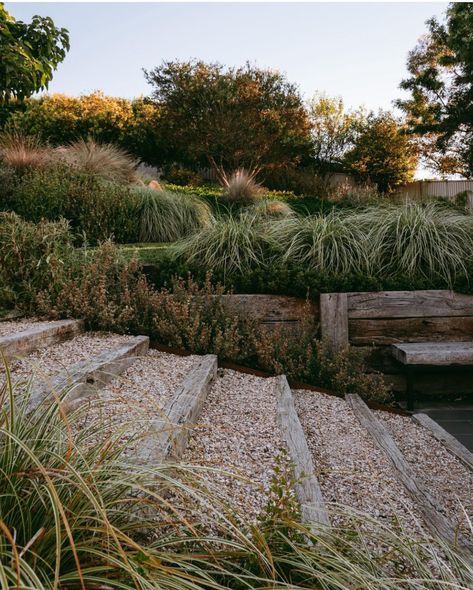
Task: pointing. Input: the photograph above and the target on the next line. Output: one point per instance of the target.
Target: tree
(383, 154)
(333, 131)
(29, 54)
(440, 107)
(230, 118)
(60, 119)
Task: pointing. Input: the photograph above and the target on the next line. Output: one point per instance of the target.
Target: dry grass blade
(105, 160)
(22, 151)
(241, 188)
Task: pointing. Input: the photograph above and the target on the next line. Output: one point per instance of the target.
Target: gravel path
(352, 471)
(446, 478)
(138, 395)
(8, 328)
(238, 433)
(50, 360)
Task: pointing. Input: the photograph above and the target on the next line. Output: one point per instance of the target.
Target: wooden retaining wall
(373, 321)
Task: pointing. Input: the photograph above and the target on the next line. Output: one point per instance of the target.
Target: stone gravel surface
(50, 360)
(8, 328)
(352, 471)
(444, 475)
(137, 396)
(238, 433)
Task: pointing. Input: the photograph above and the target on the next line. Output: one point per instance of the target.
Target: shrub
(167, 217)
(180, 175)
(21, 152)
(235, 243)
(93, 206)
(32, 257)
(419, 240)
(331, 243)
(301, 356)
(241, 188)
(106, 161)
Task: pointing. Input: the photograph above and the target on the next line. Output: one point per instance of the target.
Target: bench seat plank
(438, 354)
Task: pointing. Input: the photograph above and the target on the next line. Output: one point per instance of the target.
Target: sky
(354, 50)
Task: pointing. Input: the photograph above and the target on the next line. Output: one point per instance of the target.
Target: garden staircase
(167, 436)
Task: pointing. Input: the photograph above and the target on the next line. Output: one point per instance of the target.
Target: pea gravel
(442, 473)
(8, 328)
(351, 470)
(51, 360)
(238, 433)
(137, 396)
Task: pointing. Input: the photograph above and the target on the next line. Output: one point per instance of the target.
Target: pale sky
(354, 50)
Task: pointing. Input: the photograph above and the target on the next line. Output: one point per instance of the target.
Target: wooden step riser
(27, 341)
(307, 488)
(84, 379)
(167, 437)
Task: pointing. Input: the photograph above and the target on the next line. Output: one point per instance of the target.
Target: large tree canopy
(440, 107)
(230, 118)
(382, 154)
(29, 54)
(333, 131)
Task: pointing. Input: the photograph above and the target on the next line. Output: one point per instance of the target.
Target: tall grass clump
(167, 216)
(241, 188)
(332, 243)
(71, 508)
(234, 243)
(106, 160)
(21, 152)
(426, 240)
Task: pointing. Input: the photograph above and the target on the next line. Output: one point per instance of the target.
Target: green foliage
(328, 243)
(334, 131)
(382, 154)
(32, 257)
(235, 243)
(439, 110)
(30, 54)
(230, 118)
(419, 240)
(168, 216)
(95, 207)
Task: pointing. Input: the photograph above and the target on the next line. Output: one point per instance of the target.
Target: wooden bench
(424, 355)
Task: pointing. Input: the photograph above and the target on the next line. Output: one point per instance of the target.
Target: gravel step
(85, 378)
(351, 469)
(239, 436)
(136, 402)
(439, 471)
(21, 338)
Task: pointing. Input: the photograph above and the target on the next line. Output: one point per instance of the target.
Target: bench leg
(410, 396)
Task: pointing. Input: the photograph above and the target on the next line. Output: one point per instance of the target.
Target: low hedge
(285, 279)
